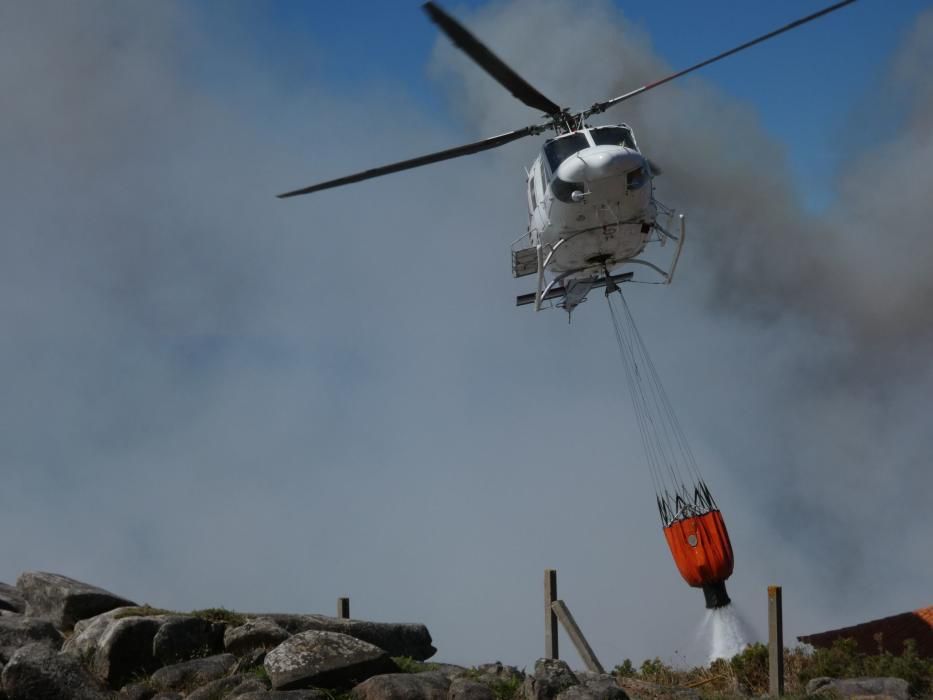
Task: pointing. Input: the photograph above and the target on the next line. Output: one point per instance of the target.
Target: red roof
(894, 630)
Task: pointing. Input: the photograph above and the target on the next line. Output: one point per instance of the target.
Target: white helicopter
(590, 191)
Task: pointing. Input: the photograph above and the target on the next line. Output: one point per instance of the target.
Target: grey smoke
(216, 398)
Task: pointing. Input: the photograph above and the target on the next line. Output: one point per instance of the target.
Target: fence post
(576, 636)
(343, 608)
(550, 619)
(775, 642)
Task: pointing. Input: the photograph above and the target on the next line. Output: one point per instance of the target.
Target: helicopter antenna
(600, 107)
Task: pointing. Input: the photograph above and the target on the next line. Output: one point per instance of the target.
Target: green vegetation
(507, 688)
(223, 615)
(747, 672)
(406, 664)
(142, 611)
(228, 617)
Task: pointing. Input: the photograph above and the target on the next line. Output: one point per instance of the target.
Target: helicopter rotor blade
(603, 106)
(489, 62)
(465, 150)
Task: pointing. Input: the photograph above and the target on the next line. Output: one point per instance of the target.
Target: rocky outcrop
(874, 688)
(259, 633)
(184, 637)
(18, 630)
(309, 694)
(40, 672)
(120, 644)
(62, 600)
(651, 691)
(467, 689)
(326, 660)
(410, 686)
(10, 599)
(398, 639)
(550, 678)
(194, 673)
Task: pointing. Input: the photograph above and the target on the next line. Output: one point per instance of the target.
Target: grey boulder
(258, 633)
(466, 689)
(880, 688)
(62, 600)
(551, 677)
(39, 672)
(17, 631)
(221, 688)
(191, 674)
(643, 689)
(325, 659)
(398, 639)
(10, 599)
(592, 691)
(184, 637)
(403, 686)
(307, 694)
(120, 645)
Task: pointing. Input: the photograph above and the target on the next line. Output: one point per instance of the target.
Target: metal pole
(775, 642)
(550, 619)
(343, 608)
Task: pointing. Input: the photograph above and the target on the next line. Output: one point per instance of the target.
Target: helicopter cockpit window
(612, 136)
(559, 150)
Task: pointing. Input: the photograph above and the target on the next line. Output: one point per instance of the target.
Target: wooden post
(343, 608)
(550, 619)
(576, 636)
(775, 642)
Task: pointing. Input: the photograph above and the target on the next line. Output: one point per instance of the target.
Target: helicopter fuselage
(591, 205)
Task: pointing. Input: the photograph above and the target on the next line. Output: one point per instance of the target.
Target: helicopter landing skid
(557, 291)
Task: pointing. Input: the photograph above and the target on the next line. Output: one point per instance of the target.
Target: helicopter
(590, 191)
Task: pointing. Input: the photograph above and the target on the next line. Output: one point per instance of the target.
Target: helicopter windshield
(559, 150)
(613, 136)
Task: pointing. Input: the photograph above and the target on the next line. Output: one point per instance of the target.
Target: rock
(17, 631)
(184, 637)
(11, 600)
(121, 646)
(403, 686)
(466, 689)
(62, 600)
(124, 651)
(260, 632)
(325, 659)
(250, 685)
(398, 639)
(137, 691)
(449, 670)
(217, 689)
(498, 673)
(168, 696)
(191, 674)
(594, 690)
(38, 671)
(643, 690)
(304, 694)
(550, 678)
(874, 688)
(250, 660)
(308, 694)
(594, 686)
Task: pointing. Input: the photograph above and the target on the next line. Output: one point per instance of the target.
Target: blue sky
(838, 62)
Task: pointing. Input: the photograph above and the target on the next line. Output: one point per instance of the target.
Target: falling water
(726, 631)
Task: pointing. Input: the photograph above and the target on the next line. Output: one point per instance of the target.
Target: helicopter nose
(600, 162)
